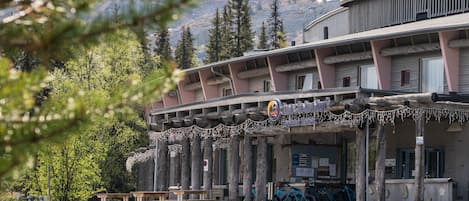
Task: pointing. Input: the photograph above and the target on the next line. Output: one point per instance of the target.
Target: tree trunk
(360, 177)
(261, 171)
(196, 164)
(162, 184)
(380, 165)
(233, 171)
(185, 164)
(419, 161)
(208, 158)
(247, 161)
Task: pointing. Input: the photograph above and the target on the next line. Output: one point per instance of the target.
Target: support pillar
(196, 163)
(247, 161)
(175, 170)
(208, 168)
(261, 171)
(233, 171)
(380, 164)
(162, 178)
(360, 172)
(419, 159)
(185, 164)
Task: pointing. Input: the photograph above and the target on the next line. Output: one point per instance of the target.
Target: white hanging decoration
(139, 157)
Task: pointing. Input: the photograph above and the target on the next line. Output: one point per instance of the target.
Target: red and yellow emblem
(273, 109)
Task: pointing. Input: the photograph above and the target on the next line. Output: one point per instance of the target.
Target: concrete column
(185, 164)
(450, 59)
(186, 96)
(326, 71)
(261, 171)
(279, 79)
(208, 90)
(208, 168)
(247, 162)
(162, 169)
(240, 86)
(175, 170)
(382, 64)
(233, 171)
(196, 163)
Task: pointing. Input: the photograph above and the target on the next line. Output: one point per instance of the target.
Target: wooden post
(185, 164)
(175, 170)
(208, 168)
(247, 161)
(162, 184)
(196, 163)
(261, 171)
(380, 165)
(419, 159)
(360, 177)
(233, 171)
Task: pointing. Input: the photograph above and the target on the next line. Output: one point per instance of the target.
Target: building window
(346, 81)
(227, 92)
(304, 82)
(432, 75)
(267, 86)
(319, 85)
(405, 77)
(326, 32)
(434, 163)
(368, 78)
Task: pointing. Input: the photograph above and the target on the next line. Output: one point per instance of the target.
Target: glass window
(405, 77)
(300, 80)
(267, 86)
(227, 92)
(346, 82)
(432, 75)
(434, 163)
(368, 77)
(304, 82)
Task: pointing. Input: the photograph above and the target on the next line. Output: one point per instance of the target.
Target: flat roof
(453, 22)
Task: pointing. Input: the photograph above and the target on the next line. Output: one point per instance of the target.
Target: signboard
(419, 140)
(297, 114)
(205, 165)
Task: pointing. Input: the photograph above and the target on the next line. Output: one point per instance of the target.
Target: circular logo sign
(273, 109)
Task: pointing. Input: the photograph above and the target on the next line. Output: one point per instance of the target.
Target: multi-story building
(390, 74)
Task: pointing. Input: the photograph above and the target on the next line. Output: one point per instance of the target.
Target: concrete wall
(315, 31)
(293, 75)
(257, 83)
(456, 151)
(350, 69)
(199, 95)
(413, 64)
(464, 71)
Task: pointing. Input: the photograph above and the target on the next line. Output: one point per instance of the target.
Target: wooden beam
(208, 158)
(217, 80)
(412, 49)
(296, 66)
(380, 164)
(261, 169)
(193, 86)
(419, 160)
(233, 170)
(348, 57)
(360, 171)
(196, 160)
(185, 164)
(162, 168)
(253, 73)
(459, 43)
(247, 161)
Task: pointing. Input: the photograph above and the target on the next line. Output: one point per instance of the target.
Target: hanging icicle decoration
(139, 157)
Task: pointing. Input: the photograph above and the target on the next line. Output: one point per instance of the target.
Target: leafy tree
(243, 35)
(50, 32)
(227, 34)
(214, 46)
(276, 34)
(163, 48)
(185, 51)
(262, 38)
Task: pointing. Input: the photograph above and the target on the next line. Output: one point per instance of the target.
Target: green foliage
(185, 51)
(227, 34)
(276, 33)
(262, 38)
(243, 35)
(163, 48)
(93, 88)
(214, 46)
